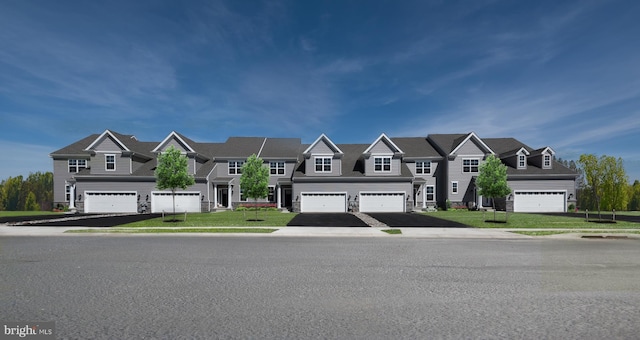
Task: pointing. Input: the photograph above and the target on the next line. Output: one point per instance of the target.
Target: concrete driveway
(326, 220)
(408, 220)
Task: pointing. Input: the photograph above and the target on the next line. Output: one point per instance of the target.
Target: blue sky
(564, 74)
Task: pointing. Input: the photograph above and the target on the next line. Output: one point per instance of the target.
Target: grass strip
(556, 232)
(392, 231)
(175, 230)
(525, 220)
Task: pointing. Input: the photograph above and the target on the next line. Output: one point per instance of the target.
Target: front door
(288, 198)
(223, 197)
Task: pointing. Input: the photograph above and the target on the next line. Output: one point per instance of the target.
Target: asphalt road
(326, 220)
(177, 287)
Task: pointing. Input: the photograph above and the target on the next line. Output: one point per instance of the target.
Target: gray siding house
(113, 172)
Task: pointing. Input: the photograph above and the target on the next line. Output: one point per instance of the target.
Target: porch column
(424, 196)
(215, 196)
(279, 193)
(72, 198)
(229, 196)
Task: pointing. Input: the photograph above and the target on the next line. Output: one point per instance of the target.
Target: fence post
(586, 211)
(614, 215)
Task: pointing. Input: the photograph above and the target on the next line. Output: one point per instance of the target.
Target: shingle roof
(76, 148)
(416, 147)
(240, 147)
(447, 142)
(281, 148)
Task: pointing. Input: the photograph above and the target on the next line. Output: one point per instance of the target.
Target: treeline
(30, 194)
(603, 184)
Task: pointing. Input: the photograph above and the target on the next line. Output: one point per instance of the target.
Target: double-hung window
(547, 162)
(323, 164)
(430, 193)
(423, 167)
(522, 161)
(75, 165)
(382, 164)
(454, 187)
(276, 168)
(110, 162)
(470, 165)
(235, 167)
(272, 194)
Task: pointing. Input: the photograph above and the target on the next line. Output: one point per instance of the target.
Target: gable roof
(383, 138)
(450, 143)
(327, 141)
(114, 136)
(184, 141)
(239, 147)
(75, 149)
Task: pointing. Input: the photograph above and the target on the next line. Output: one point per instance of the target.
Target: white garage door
(188, 201)
(382, 202)
(539, 201)
(110, 202)
(323, 202)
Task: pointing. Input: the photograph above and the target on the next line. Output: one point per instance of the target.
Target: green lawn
(522, 220)
(26, 213)
(221, 219)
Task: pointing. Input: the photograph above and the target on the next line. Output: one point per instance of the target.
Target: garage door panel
(185, 201)
(382, 202)
(539, 201)
(111, 202)
(323, 202)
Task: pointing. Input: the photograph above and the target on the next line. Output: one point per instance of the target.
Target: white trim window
(382, 164)
(272, 194)
(276, 168)
(110, 162)
(423, 167)
(470, 165)
(522, 162)
(430, 193)
(546, 163)
(75, 165)
(323, 164)
(243, 198)
(67, 192)
(235, 167)
(454, 187)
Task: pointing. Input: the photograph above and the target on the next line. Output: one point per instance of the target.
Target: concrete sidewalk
(470, 233)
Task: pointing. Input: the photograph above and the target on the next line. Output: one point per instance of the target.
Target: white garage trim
(110, 202)
(383, 201)
(188, 201)
(540, 201)
(323, 202)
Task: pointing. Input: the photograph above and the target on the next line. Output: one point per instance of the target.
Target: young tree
(614, 183)
(592, 176)
(255, 179)
(172, 172)
(634, 201)
(31, 204)
(492, 180)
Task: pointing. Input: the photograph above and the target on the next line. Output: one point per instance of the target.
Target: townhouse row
(114, 173)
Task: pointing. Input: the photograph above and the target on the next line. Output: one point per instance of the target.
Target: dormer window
(546, 161)
(522, 162)
(323, 164)
(110, 162)
(423, 167)
(382, 164)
